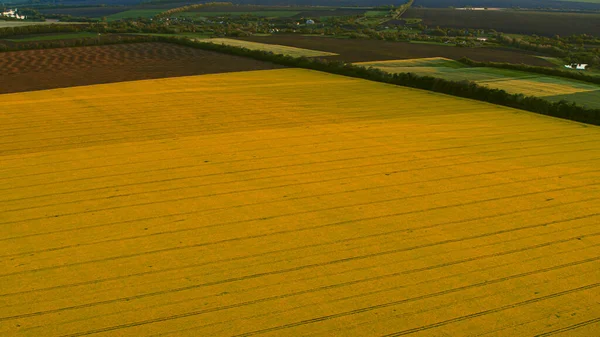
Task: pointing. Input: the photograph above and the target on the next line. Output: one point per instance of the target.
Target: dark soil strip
(67, 67)
(507, 21)
(350, 50)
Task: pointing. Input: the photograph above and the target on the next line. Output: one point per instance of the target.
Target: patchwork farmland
(511, 81)
(290, 202)
(65, 67)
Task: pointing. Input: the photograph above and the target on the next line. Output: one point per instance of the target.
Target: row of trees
(40, 29)
(467, 89)
(546, 48)
(82, 42)
(571, 49)
(187, 8)
(117, 27)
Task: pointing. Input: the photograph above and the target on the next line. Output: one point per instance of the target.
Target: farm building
(13, 14)
(576, 66)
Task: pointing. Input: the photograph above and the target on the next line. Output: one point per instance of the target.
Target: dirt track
(66, 67)
(375, 50)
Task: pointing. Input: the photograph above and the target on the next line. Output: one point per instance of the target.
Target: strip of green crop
(575, 75)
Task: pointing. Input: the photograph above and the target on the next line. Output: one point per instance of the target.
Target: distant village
(12, 13)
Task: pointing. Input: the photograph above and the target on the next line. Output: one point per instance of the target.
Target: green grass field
(49, 37)
(132, 14)
(589, 99)
(511, 81)
(376, 13)
(411, 21)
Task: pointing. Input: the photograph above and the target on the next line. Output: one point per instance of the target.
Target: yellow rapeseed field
(291, 203)
(274, 48)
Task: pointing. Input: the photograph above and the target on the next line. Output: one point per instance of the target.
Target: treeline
(117, 27)
(401, 9)
(81, 42)
(142, 26)
(466, 89)
(571, 49)
(573, 74)
(545, 48)
(40, 29)
(172, 11)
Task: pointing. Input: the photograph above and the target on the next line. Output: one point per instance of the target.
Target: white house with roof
(12, 13)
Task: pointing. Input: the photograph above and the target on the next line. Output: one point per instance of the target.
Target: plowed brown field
(293, 203)
(351, 50)
(67, 67)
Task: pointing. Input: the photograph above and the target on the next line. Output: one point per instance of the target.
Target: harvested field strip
(417, 62)
(277, 49)
(289, 208)
(534, 87)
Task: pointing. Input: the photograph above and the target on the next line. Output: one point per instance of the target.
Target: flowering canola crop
(292, 202)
